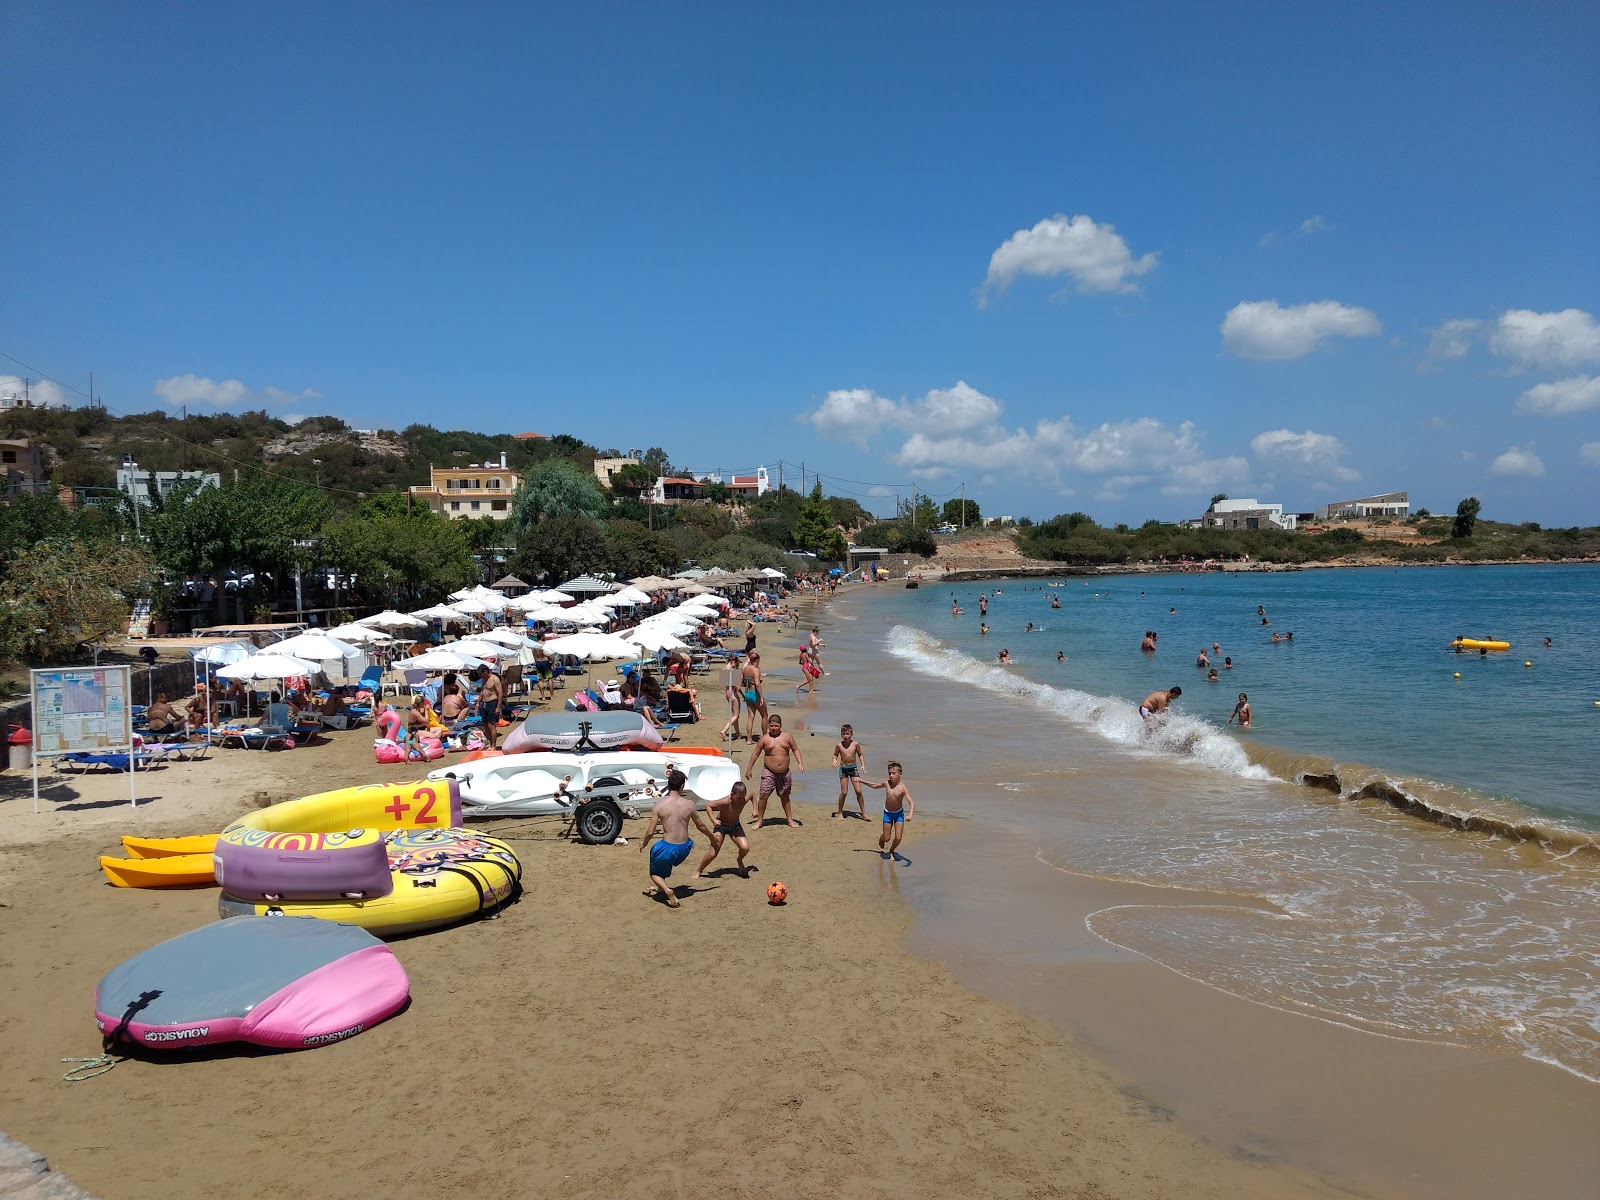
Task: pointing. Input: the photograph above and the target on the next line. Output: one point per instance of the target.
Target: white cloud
(195, 391)
(1094, 256)
(1316, 224)
(1589, 454)
(959, 429)
(1518, 461)
(1578, 394)
(1262, 329)
(858, 414)
(1320, 452)
(41, 392)
(1453, 338)
(1546, 341)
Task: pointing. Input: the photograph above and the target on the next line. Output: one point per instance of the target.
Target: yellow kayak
(137, 847)
(175, 870)
(1479, 644)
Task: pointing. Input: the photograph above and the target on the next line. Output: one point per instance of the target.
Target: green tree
(848, 512)
(737, 551)
(815, 522)
(65, 591)
(920, 512)
(655, 461)
(558, 488)
(1215, 500)
(836, 548)
(396, 558)
(963, 514)
(1466, 517)
(633, 550)
(632, 480)
(561, 547)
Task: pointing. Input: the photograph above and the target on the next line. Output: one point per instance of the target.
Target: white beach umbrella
(318, 647)
(700, 612)
(655, 638)
(439, 659)
(632, 595)
(770, 573)
(267, 666)
(590, 645)
(507, 637)
(481, 648)
(360, 635)
(544, 612)
(552, 596)
(222, 652)
(389, 619)
(440, 612)
(471, 605)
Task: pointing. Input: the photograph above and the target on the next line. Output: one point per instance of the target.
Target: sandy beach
(589, 1042)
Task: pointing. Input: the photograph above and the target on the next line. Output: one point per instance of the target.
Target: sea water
(1414, 854)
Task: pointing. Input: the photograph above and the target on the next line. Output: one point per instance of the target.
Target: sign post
(79, 710)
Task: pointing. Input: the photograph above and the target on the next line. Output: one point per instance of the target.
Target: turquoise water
(1367, 678)
(1442, 881)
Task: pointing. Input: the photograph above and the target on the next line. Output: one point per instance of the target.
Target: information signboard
(82, 710)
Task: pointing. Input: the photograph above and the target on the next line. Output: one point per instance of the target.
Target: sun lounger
(254, 737)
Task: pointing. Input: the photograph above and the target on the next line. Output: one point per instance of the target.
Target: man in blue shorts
(672, 814)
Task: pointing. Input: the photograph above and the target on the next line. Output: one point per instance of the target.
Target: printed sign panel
(82, 709)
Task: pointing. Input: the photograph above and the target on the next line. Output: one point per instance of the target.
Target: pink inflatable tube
(288, 982)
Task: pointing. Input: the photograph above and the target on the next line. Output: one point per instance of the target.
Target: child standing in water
(1242, 711)
(898, 808)
(849, 756)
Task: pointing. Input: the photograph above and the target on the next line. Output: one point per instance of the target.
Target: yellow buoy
(1458, 676)
(1528, 664)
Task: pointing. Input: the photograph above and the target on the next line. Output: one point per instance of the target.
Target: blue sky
(1075, 259)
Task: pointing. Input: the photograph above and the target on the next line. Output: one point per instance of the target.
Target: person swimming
(1005, 656)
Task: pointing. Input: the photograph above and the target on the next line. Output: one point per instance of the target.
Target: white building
(131, 481)
(1249, 514)
(741, 487)
(1389, 504)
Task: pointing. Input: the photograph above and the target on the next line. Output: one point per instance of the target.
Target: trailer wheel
(599, 822)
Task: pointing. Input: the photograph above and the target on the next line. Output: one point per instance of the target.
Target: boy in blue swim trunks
(850, 757)
(898, 808)
(672, 814)
(725, 813)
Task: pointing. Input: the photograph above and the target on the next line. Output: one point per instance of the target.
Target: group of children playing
(675, 812)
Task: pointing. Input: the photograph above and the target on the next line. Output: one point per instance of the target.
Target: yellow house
(475, 490)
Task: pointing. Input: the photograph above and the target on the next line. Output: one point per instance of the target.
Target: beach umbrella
(552, 596)
(653, 583)
(440, 658)
(318, 647)
(507, 637)
(267, 665)
(440, 612)
(700, 612)
(480, 648)
(359, 635)
(655, 638)
(389, 619)
(472, 605)
(590, 645)
(222, 653)
(632, 595)
(543, 612)
(773, 574)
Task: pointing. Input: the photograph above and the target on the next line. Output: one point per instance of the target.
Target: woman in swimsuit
(731, 682)
(754, 702)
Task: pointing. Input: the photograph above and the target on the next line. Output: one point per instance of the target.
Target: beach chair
(255, 737)
(371, 679)
(680, 707)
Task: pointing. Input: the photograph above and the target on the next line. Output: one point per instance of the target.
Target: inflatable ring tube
(438, 872)
(257, 864)
(1481, 644)
(293, 985)
(617, 729)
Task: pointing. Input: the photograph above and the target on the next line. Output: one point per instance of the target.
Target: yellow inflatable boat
(391, 858)
(1479, 644)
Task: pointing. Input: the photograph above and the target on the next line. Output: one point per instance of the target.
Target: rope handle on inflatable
(88, 1068)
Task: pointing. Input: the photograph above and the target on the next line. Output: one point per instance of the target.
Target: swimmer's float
(290, 984)
(616, 729)
(1479, 644)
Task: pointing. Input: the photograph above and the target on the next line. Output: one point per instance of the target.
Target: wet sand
(588, 1042)
(1383, 1116)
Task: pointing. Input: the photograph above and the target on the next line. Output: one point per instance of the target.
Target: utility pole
(780, 476)
(963, 506)
(803, 491)
(913, 507)
(133, 491)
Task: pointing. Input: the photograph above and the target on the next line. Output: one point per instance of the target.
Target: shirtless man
(775, 750)
(1155, 703)
(898, 808)
(755, 702)
(672, 814)
(725, 813)
(490, 692)
(850, 757)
